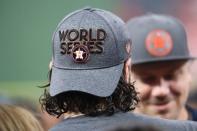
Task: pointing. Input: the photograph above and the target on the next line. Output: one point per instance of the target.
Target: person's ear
(127, 70)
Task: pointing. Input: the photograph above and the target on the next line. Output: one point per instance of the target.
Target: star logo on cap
(159, 43)
(80, 54)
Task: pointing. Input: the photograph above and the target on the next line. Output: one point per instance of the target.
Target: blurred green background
(26, 29)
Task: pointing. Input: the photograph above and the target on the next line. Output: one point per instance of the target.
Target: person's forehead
(164, 67)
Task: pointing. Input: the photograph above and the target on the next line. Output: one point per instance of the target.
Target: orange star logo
(159, 43)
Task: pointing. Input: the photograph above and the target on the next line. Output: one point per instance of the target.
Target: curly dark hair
(124, 99)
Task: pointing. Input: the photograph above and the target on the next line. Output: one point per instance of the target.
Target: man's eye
(149, 80)
(169, 77)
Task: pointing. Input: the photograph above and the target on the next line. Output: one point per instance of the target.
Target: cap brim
(99, 82)
(135, 62)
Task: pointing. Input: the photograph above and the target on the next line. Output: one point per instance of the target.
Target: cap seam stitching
(81, 20)
(110, 29)
(93, 68)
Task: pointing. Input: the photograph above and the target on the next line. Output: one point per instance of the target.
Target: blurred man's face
(163, 88)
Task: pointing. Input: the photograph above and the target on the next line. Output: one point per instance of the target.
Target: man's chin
(166, 114)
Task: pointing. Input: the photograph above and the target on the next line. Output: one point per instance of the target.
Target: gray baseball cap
(157, 38)
(89, 49)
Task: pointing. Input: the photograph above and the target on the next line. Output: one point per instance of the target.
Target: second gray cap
(157, 38)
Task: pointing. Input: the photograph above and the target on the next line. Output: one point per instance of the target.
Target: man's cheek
(144, 90)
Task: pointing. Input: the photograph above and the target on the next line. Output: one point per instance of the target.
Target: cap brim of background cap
(99, 82)
(141, 61)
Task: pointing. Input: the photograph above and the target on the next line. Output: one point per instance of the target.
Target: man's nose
(162, 88)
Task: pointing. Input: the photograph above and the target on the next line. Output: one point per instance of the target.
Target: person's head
(90, 65)
(14, 118)
(160, 65)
